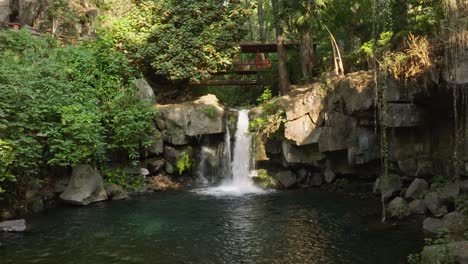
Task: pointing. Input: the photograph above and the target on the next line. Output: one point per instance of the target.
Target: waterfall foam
(240, 183)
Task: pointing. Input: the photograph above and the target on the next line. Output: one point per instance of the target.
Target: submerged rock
(163, 183)
(116, 192)
(85, 186)
(13, 226)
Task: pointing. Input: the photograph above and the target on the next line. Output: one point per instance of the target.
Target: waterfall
(240, 182)
(241, 161)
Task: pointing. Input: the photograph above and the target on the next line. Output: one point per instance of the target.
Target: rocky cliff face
(331, 130)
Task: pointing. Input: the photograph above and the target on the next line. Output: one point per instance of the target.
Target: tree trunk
(261, 22)
(282, 69)
(307, 55)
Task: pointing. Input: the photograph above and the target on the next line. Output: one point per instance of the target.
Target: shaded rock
(403, 115)
(36, 205)
(329, 175)
(158, 146)
(85, 186)
(365, 147)
(464, 186)
(337, 133)
(417, 207)
(145, 91)
(116, 192)
(302, 175)
(434, 204)
(416, 189)
(408, 166)
(286, 178)
(175, 136)
(316, 180)
(455, 223)
(388, 185)
(449, 192)
(13, 226)
(456, 252)
(398, 208)
(432, 225)
(60, 185)
(137, 171)
(424, 168)
(155, 165)
(308, 154)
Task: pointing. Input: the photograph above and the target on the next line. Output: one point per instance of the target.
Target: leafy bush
(266, 96)
(120, 177)
(184, 163)
(181, 40)
(61, 106)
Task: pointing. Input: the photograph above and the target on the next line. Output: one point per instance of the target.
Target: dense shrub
(60, 106)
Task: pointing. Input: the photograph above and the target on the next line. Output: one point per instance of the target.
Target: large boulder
(455, 223)
(286, 178)
(145, 91)
(416, 189)
(449, 192)
(13, 226)
(417, 207)
(200, 117)
(308, 154)
(158, 146)
(85, 186)
(4, 10)
(456, 252)
(398, 208)
(434, 203)
(387, 185)
(303, 114)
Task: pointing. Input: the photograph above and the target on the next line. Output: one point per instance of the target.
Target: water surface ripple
(278, 227)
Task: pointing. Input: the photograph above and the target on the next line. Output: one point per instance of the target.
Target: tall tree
(282, 69)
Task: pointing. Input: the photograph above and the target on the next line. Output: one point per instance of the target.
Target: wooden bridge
(248, 66)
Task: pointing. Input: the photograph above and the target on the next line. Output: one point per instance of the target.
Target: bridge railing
(244, 65)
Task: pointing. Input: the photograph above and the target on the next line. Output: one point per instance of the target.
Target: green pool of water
(280, 227)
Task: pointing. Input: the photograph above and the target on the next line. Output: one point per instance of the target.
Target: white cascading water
(241, 183)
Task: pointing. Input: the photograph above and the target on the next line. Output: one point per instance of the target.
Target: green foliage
(264, 180)
(119, 177)
(181, 39)
(266, 96)
(61, 106)
(209, 111)
(184, 163)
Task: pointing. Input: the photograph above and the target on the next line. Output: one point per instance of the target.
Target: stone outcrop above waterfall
(203, 116)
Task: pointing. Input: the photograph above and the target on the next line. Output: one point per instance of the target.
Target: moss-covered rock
(265, 181)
